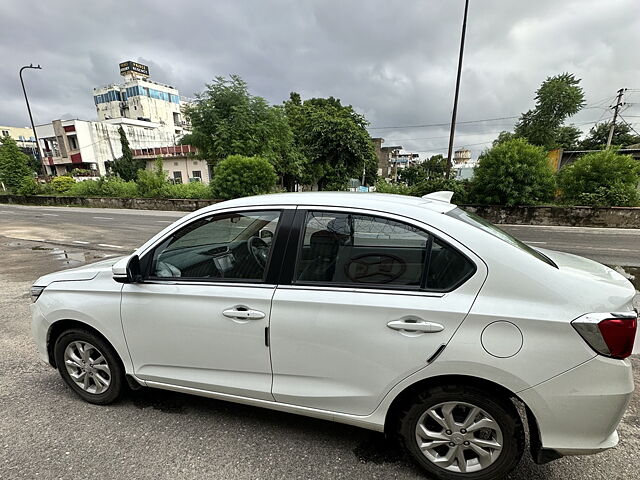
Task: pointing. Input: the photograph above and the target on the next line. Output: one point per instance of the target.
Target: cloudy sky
(393, 60)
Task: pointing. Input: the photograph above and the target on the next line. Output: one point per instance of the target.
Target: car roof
(374, 201)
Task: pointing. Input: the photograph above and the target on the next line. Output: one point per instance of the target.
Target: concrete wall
(177, 204)
(614, 217)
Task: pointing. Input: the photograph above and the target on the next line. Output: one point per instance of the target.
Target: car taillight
(609, 334)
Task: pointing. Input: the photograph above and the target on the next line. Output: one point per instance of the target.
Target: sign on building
(133, 67)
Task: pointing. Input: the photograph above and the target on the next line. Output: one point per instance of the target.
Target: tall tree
(228, 120)
(557, 99)
(14, 164)
(333, 141)
(598, 135)
(126, 167)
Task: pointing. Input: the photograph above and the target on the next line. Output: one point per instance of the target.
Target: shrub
(187, 190)
(116, 187)
(459, 188)
(601, 179)
(152, 182)
(88, 188)
(81, 172)
(239, 176)
(62, 184)
(28, 186)
(513, 173)
(382, 186)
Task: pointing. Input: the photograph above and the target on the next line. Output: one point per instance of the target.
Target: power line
(628, 124)
(444, 124)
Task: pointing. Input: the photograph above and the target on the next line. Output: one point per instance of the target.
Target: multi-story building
(87, 145)
(24, 138)
(385, 154)
(462, 165)
(140, 98)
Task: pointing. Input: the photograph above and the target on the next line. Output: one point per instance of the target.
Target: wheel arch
(57, 328)
(391, 418)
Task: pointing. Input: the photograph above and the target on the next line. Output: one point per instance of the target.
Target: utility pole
(615, 115)
(26, 99)
(455, 98)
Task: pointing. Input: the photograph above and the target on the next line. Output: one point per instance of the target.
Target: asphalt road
(47, 432)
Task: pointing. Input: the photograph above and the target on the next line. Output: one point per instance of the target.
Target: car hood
(85, 272)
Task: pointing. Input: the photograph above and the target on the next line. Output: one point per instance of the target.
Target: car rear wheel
(89, 365)
(458, 432)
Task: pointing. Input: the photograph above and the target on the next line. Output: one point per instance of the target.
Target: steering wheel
(259, 250)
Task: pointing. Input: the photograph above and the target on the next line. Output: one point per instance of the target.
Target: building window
(73, 142)
(177, 177)
(195, 162)
(175, 164)
(197, 174)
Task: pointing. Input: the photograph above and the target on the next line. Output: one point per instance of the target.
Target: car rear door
(366, 300)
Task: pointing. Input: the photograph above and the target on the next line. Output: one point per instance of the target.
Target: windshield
(482, 224)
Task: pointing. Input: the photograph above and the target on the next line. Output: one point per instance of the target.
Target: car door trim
(370, 290)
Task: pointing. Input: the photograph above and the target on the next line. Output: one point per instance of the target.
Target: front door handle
(243, 313)
(415, 326)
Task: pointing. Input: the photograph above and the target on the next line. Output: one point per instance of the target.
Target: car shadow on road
(366, 447)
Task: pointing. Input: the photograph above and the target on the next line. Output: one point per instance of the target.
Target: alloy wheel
(459, 437)
(87, 367)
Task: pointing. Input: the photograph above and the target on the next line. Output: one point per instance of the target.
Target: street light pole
(455, 98)
(33, 127)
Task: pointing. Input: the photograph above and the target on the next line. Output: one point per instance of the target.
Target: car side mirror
(127, 270)
(266, 234)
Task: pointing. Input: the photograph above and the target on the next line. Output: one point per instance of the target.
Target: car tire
(435, 421)
(90, 366)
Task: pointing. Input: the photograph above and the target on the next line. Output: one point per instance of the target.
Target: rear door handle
(415, 326)
(243, 313)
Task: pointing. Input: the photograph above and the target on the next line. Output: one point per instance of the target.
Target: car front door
(198, 318)
(372, 298)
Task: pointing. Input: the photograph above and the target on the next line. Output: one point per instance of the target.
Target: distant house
(180, 162)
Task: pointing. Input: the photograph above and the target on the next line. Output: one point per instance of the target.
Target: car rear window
(482, 224)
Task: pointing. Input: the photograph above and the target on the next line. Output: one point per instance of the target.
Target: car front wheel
(459, 432)
(89, 365)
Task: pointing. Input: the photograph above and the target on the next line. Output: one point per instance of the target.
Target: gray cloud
(394, 61)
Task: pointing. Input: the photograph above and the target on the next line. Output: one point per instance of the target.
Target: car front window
(226, 246)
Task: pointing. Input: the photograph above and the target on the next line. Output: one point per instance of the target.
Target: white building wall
(99, 142)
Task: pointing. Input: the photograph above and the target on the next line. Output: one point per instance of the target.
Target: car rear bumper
(577, 412)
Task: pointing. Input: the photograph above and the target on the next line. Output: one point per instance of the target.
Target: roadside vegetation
(254, 147)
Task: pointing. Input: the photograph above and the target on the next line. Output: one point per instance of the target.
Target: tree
(557, 99)
(567, 137)
(332, 140)
(433, 168)
(503, 137)
(513, 173)
(228, 120)
(240, 176)
(126, 167)
(14, 165)
(598, 135)
(601, 178)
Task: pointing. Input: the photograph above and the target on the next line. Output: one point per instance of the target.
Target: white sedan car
(398, 314)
